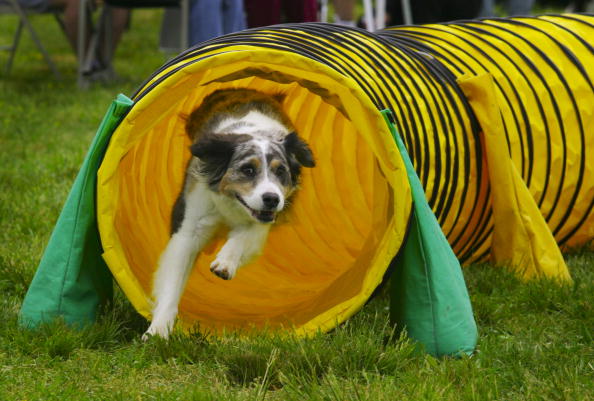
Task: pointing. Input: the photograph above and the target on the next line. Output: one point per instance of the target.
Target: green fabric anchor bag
(72, 280)
(428, 295)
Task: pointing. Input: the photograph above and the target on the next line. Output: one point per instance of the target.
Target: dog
(245, 166)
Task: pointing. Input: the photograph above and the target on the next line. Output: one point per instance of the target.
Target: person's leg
(119, 18)
(262, 12)
(487, 8)
(71, 9)
(300, 11)
(344, 12)
(233, 16)
(206, 20)
(70, 19)
(310, 11)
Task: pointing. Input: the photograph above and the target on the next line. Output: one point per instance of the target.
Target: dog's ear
(215, 153)
(299, 155)
(299, 149)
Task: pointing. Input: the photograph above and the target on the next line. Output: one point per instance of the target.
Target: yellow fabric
(341, 232)
(521, 237)
(350, 217)
(542, 68)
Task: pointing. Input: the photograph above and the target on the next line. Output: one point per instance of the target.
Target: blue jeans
(212, 18)
(513, 7)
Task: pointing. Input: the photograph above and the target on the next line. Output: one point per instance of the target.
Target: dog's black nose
(270, 200)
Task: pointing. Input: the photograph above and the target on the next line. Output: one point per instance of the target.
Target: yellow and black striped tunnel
(350, 217)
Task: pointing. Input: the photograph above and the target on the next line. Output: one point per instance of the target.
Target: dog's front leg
(243, 245)
(172, 274)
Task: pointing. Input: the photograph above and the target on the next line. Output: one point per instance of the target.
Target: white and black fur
(246, 164)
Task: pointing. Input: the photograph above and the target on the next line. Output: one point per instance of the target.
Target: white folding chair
(13, 7)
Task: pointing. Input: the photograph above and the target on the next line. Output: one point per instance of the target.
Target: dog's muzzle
(266, 215)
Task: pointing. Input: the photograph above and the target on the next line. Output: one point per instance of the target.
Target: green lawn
(535, 339)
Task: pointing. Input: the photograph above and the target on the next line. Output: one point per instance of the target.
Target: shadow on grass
(269, 360)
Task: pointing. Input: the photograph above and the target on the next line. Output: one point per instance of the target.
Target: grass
(535, 339)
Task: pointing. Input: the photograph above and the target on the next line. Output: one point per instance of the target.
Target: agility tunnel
(479, 130)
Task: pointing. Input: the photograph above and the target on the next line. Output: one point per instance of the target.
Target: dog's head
(259, 174)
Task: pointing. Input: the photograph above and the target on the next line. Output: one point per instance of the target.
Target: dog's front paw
(158, 330)
(223, 269)
(146, 336)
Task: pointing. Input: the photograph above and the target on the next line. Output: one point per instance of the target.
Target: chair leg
(48, 60)
(87, 41)
(107, 48)
(94, 43)
(185, 25)
(80, 42)
(24, 22)
(99, 46)
(406, 12)
(60, 22)
(368, 15)
(13, 47)
(380, 14)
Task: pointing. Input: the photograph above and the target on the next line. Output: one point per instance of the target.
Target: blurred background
(121, 42)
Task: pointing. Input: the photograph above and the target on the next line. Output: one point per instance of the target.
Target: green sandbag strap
(428, 295)
(72, 280)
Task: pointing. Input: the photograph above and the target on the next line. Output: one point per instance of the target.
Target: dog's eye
(248, 170)
(281, 171)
